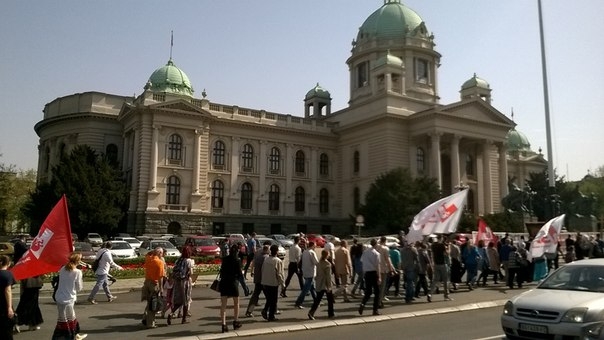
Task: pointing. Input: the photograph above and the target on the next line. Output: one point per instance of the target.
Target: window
(469, 165)
(219, 153)
(173, 190)
(300, 162)
(300, 199)
(246, 196)
(217, 194)
(274, 160)
(248, 157)
(362, 71)
(357, 199)
(111, 153)
(323, 201)
(421, 160)
(324, 165)
(175, 148)
(421, 71)
(356, 162)
(273, 198)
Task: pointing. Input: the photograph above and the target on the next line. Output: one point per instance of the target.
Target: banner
(440, 217)
(51, 248)
(546, 240)
(485, 233)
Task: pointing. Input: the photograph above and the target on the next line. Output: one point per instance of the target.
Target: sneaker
(375, 312)
(429, 297)
(111, 298)
(386, 299)
(249, 315)
(299, 306)
(277, 312)
(92, 301)
(34, 328)
(448, 298)
(311, 317)
(81, 336)
(361, 307)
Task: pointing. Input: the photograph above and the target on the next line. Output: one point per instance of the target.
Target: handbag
(216, 283)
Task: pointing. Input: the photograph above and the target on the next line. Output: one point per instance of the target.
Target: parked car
(178, 242)
(148, 245)
(94, 239)
(134, 242)
(122, 250)
(203, 246)
(85, 248)
(280, 253)
(6, 248)
(563, 306)
(334, 239)
(317, 239)
(285, 242)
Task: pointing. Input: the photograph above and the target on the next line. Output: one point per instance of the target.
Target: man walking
(409, 265)
(251, 250)
(105, 260)
(440, 256)
(309, 271)
(154, 273)
(272, 279)
(294, 267)
(386, 268)
(259, 258)
(371, 268)
(343, 268)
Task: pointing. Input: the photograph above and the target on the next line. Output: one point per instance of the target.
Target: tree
(396, 197)
(544, 205)
(15, 187)
(95, 190)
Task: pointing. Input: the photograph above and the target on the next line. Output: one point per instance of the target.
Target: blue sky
(268, 54)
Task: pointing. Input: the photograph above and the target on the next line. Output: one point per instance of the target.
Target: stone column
(487, 184)
(455, 177)
(503, 171)
(197, 139)
(153, 164)
(435, 158)
(135, 171)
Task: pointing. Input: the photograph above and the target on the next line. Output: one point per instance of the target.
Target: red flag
(485, 233)
(51, 248)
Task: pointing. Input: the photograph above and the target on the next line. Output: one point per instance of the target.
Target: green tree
(95, 190)
(395, 198)
(542, 201)
(15, 187)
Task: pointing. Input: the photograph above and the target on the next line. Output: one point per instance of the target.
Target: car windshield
(576, 277)
(165, 245)
(279, 237)
(121, 245)
(204, 242)
(131, 240)
(82, 246)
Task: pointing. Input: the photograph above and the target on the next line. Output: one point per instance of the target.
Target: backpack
(95, 264)
(180, 269)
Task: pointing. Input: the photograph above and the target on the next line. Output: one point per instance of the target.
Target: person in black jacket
(230, 272)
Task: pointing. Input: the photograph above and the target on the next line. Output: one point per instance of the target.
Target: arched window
(469, 165)
(219, 153)
(357, 199)
(246, 196)
(111, 153)
(173, 190)
(247, 157)
(300, 199)
(274, 160)
(300, 160)
(356, 162)
(324, 164)
(217, 194)
(273, 198)
(323, 201)
(175, 148)
(421, 160)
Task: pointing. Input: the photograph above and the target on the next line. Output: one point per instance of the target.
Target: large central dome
(392, 20)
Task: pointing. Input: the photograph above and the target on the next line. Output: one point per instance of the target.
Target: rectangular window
(422, 72)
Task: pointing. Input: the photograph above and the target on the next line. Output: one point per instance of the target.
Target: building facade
(193, 165)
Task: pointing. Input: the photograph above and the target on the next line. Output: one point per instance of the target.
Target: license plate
(533, 328)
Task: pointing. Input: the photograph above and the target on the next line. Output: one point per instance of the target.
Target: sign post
(360, 223)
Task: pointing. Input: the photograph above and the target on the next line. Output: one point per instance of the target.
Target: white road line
(502, 336)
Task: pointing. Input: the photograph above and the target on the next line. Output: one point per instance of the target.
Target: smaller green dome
(389, 59)
(170, 79)
(475, 82)
(318, 91)
(517, 141)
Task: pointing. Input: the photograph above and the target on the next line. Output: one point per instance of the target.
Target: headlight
(508, 308)
(576, 315)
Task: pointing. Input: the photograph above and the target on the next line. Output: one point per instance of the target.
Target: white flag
(442, 216)
(546, 240)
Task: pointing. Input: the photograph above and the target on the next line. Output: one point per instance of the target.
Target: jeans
(101, 280)
(358, 283)
(309, 286)
(254, 298)
(410, 276)
(246, 290)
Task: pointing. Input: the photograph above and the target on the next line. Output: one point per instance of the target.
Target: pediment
(476, 110)
(178, 106)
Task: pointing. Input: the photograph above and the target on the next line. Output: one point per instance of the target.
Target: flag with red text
(485, 233)
(51, 248)
(440, 217)
(546, 240)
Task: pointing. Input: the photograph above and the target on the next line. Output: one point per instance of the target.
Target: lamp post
(360, 222)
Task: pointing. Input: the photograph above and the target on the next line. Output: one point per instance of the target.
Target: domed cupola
(516, 141)
(317, 99)
(170, 79)
(391, 21)
(476, 87)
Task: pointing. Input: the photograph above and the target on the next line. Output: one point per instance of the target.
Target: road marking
(502, 336)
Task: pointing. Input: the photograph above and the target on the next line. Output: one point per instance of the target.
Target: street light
(360, 223)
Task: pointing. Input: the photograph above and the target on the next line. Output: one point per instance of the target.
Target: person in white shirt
(105, 263)
(70, 283)
(309, 271)
(371, 269)
(294, 267)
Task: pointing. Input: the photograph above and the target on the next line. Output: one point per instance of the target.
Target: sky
(266, 54)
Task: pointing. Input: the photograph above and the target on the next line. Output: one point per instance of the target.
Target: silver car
(567, 304)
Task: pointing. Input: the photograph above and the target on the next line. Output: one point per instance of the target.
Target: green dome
(392, 20)
(318, 91)
(389, 59)
(517, 141)
(475, 82)
(170, 79)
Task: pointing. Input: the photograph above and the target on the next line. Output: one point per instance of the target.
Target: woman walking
(70, 283)
(28, 309)
(181, 289)
(230, 272)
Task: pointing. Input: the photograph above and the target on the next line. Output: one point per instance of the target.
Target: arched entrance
(174, 228)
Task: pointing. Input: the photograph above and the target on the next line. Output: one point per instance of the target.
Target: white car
(285, 242)
(148, 245)
(134, 242)
(122, 250)
(94, 239)
(568, 304)
(280, 253)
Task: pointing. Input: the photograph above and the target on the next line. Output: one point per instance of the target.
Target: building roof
(517, 141)
(475, 82)
(392, 20)
(170, 79)
(318, 91)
